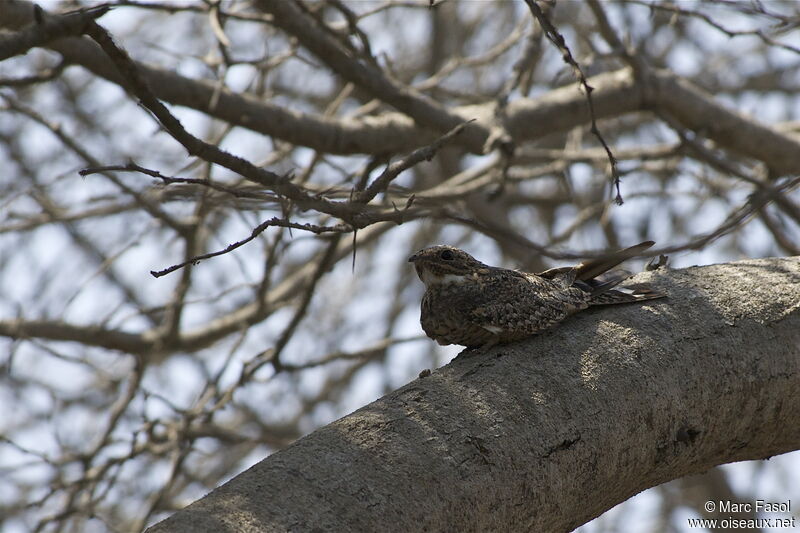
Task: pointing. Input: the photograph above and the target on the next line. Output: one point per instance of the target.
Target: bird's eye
(447, 255)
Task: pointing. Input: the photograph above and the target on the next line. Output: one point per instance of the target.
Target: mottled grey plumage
(472, 304)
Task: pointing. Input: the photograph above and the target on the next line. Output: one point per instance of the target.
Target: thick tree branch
(546, 434)
(699, 111)
(88, 335)
(424, 110)
(48, 29)
(615, 94)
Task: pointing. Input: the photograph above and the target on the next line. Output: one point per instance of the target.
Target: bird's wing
(518, 306)
(595, 267)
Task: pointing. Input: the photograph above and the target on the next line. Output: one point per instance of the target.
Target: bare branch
(395, 169)
(425, 111)
(557, 39)
(273, 222)
(49, 28)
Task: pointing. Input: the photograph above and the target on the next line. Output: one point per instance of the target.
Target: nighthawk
(472, 304)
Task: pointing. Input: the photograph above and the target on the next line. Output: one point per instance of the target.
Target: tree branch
(615, 93)
(548, 433)
(48, 29)
(424, 110)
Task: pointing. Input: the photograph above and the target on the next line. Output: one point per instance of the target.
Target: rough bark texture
(548, 433)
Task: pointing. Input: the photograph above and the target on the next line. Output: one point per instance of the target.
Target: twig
(48, 29)
(392, 171)
(324, 264)
(757, 201)
(365, 353)
(681, 10)
(196, 147)
(558, 40)
(424, 110)
(153, 208)
(133, 167)
(275, 221)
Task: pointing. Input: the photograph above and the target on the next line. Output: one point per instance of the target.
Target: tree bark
(548, 433)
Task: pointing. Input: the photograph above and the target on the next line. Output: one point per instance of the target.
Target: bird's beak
(413, 258)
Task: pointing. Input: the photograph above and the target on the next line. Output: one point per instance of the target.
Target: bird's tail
(624, 295)
(596, 276)
(601, 281)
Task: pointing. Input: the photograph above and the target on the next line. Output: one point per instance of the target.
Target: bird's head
(445, 264)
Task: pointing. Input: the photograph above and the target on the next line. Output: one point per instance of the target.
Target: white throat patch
(431, 279)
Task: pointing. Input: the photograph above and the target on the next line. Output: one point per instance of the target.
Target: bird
(469, 303)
